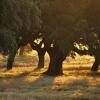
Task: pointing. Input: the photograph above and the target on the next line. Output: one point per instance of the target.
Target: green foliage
(17, 18)
(20, 16)
(62, 22)
(7, 41)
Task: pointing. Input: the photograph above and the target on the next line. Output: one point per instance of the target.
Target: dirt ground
(24, 82)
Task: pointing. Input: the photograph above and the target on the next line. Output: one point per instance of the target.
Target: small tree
(93, 44)
(38, 45)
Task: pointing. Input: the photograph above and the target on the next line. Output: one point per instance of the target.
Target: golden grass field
(23, 82)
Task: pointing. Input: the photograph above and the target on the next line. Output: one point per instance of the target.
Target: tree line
(59, 23)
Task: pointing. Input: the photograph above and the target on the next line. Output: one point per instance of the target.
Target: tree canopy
(61, 22)
(66, 22)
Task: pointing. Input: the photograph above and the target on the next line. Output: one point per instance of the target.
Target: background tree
(21, 20)
(93, 44)
(38, 45)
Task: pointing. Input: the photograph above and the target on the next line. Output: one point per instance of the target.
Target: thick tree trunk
(55, 68)
(56, 61)
(96, 64)
(41, 54)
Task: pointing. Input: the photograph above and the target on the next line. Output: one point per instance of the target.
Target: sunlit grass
(24, 82)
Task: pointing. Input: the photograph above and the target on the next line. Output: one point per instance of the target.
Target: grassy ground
(23, 82)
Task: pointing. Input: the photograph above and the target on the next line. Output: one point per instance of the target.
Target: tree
(8, 45)
(64, 22)
(93, 44)
(21, 20)
(38, 45)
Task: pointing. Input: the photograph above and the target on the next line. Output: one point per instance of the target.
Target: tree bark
(55, 68)
(10, 60)
(96, 64)
(41, 54)
(56, 62)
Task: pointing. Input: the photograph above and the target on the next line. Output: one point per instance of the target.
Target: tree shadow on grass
(81, 71)
(75, 87)
(78, 84)
(81, 89)
(25, 82)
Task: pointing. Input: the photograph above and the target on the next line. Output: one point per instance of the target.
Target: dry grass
(23, 82)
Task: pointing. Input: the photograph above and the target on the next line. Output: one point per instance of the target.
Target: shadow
(41, 87)
(78, 68)
(76, 84)
(23, 74)
(30, 80)
(82, 74)
(81, 89)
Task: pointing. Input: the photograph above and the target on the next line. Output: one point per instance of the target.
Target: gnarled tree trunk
(55, 66)
(56, 62)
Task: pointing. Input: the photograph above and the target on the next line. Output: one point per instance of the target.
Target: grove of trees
(60, 24)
